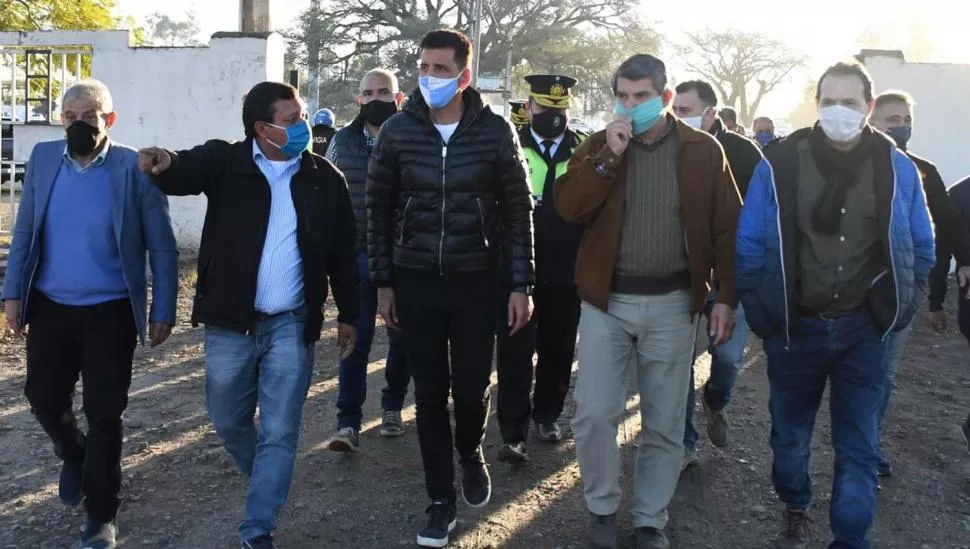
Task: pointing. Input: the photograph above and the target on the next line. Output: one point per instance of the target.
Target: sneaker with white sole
(392, 425)
(346, 440)
(442, 519)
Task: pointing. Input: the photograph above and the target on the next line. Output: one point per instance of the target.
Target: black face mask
(82, 138)
(377, 112)
(549, 124)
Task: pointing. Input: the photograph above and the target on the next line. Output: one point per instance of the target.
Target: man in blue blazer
(76, 275)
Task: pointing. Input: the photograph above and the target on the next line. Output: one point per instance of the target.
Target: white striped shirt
(279, 285)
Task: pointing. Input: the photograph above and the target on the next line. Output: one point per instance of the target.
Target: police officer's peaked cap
(550, 90)
(518, 117)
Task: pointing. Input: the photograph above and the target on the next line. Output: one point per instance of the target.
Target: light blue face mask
(297, 139)
(438, 92)
(644, 115)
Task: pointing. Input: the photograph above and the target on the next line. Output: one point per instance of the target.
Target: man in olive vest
(519, 116)
(547, 145)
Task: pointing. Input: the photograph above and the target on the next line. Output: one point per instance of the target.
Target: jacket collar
(242, 162)
(471, 99)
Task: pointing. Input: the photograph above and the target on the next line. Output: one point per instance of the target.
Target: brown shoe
(797, 531)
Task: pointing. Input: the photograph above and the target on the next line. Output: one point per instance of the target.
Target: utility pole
(313, 55)
(254, 16)
(476, 39)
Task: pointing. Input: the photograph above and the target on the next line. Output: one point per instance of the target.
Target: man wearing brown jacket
(661, 210)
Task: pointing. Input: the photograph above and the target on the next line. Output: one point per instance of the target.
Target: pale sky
(824, 30)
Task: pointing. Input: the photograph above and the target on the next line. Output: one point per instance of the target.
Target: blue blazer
(141, 224)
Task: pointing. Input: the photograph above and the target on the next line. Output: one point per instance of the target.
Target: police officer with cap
(323, 130)
(547, 145)
(519, 116)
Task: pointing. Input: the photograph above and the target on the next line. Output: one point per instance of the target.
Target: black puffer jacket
(351, 157)
(435, 208)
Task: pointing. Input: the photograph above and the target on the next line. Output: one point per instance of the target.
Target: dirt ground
(181, 491)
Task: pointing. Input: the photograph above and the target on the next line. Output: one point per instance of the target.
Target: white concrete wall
(171, 97)
(939, 119)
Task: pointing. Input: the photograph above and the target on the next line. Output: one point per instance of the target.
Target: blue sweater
(80, 263)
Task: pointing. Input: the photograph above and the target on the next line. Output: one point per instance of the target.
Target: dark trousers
(98, 343)
(353, 370)
(963, 313)
(437, 315)
(848, 354)
(551, 334)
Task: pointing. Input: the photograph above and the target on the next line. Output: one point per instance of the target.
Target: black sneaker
(69, 486)
(476, 485)
(548, 432)
(442, 519)
(264, 541)
(513, 453)
(99, 535)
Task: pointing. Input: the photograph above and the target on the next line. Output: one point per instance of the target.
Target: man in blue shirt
(278, 227)
(76, 275)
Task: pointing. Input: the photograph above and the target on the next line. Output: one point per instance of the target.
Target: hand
(12, 308)
(346, 339)
(938, 320)
(618, 134)
(520, 311)
(963, 279)
(158, 333)
(386, 307)
(154, 160)
(722, 323)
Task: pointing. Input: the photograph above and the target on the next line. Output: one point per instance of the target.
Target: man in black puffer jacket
(443, 175)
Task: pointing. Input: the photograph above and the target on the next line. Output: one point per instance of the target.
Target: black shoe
(548, 432)
(69, 486)
(602, 532)
(651, 538)
(264, 541)
(513, 453)
(442, 519)
(99, 535)
(476, 485)
(885, 469)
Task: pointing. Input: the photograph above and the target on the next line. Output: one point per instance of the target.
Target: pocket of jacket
(881, 301)
(404, 220)
(481, 216)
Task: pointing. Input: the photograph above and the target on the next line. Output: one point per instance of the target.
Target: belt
(807, 312)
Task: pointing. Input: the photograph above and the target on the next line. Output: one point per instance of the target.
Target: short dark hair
(641, 66)
(259, 105)
(848, 68)
(894, 96)
(704, 91)
(763, 118)
(729, 115)
(449, 38)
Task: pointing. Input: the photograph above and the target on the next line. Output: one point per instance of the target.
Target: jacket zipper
(404, 220)
(441, 243)
(481, 212)
(781, 255)
(892, 262)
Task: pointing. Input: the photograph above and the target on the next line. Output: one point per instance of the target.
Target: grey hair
(642, 66)
(390, 76)
(92, 89)
(895, 96)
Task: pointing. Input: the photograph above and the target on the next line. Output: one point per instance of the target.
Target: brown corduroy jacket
(710, 205)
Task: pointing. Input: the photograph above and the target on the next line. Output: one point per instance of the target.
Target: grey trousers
(654, 334)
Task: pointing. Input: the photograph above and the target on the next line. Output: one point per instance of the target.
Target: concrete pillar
(254, 16)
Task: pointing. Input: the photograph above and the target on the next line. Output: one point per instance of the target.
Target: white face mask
(839, 123)
(694, 121)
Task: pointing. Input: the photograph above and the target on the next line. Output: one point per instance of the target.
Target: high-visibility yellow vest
(538, 168)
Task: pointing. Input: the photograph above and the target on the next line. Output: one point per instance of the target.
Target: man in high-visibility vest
(547, 145)
(519, 116)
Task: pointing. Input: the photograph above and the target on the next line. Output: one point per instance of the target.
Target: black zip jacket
(743, 155)
(951, 215)
(236, 221)
(435, 207)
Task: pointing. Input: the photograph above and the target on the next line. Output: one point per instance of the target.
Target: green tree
(166, 31)
(28, 15)
(742, 66)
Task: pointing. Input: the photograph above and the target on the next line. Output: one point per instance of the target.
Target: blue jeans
(848, 353)
(271, 367)
(353, 369)
(895, 344)
(726, 361)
